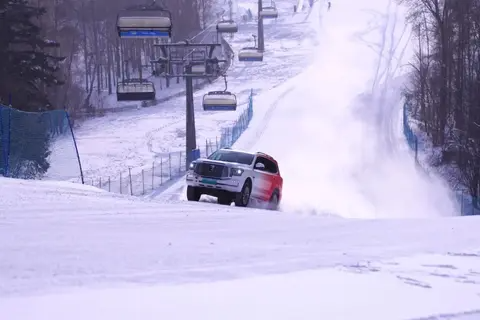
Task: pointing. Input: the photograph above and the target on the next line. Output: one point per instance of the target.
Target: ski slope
(335, 129)
(110, 144)
(69, 251)
(333, 158)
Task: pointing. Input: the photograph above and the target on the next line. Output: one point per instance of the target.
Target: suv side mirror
(259, 166)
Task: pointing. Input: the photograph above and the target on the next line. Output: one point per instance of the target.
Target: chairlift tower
(198, 62)
(261, 39)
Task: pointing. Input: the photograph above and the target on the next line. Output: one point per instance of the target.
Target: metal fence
(37, 145)
(469, 205)
(141, 181)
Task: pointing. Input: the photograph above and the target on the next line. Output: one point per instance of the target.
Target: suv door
(265, 180)
(258, 178)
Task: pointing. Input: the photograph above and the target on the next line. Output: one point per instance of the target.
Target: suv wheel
(273, 203)
(242, 198)
(193, 193)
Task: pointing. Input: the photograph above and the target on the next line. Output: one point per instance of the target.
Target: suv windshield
(232, 156)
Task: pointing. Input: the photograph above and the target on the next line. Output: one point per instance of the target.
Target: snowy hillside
(343, 152)
(362, 234)
(73, 252)
(113, 143)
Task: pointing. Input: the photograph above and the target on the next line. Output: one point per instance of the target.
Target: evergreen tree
(26, 68)
(26, 64)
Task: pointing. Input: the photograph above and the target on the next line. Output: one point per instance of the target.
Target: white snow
(303, 295)
(72, 250)
(69, 251)
(300, 5)
(339, 156)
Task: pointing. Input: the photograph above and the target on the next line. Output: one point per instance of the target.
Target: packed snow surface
(69, 251)
(73, 252)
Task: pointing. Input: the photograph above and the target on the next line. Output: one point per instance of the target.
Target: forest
(59, 54)
(444, 90)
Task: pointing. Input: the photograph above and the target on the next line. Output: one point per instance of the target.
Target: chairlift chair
(198, 68)
(136, 90)
(227, 26)
(269, 13)
(220, 100)
(148, 23)
(250, 54)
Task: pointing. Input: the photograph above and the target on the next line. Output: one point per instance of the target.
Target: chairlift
(136, 90)
(227, 26)
(145, 23)
(250, 54)
(269, 13)
(220, 100)
(198, 68)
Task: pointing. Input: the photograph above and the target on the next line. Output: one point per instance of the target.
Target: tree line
(444, 91)
(58, 54)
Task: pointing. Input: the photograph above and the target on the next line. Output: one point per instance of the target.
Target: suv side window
(270, 166)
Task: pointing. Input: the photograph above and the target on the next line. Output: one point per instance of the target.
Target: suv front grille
(211, 170)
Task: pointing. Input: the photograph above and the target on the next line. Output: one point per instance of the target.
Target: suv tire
(193, 193)
(242, 198)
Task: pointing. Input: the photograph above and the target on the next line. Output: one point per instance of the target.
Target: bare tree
(96, 57)
(445, 91)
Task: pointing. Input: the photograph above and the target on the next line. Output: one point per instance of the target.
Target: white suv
(235, 176)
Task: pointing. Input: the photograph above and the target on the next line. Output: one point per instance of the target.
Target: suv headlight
(191, 166)
(236, 172)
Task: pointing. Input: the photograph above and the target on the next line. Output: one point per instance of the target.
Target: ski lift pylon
(144, 23)
(136, 90)
(227, 26)
(220, 100)
(269, 13)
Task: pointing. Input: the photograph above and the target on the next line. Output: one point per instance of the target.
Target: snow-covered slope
(335, 128)
(111, 144)
(67, 251)
(333, 158)
(70, 251)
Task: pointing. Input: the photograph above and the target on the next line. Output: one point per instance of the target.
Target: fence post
(9, 141)
(4, 143)
(206, 147)
(109, 189)
(216, 141)
(100, 183)
(180, 164)
(161, 171)
(121, 187)
(170, 166)
(462, 211)
(130, 177)
(75, 145)
(153, 173)
(143, 183)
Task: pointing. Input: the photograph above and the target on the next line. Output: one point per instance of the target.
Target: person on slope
(329, 5)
